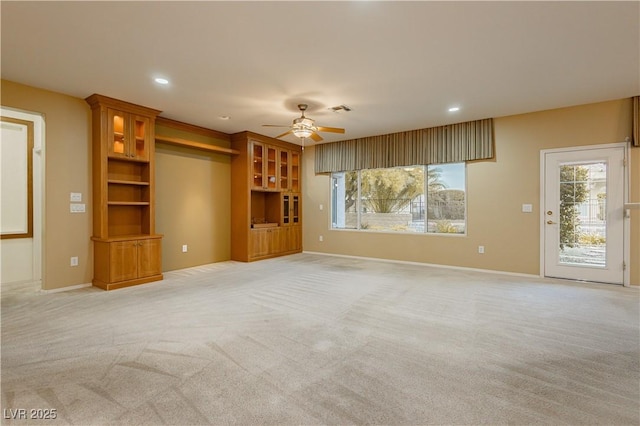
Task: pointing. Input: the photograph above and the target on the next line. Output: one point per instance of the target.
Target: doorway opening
(22, 257)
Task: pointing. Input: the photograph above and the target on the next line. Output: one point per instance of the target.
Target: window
(416, 199)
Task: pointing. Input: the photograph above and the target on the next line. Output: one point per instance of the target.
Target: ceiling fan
(304, 127)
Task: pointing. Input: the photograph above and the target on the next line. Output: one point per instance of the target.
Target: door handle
(550, 222)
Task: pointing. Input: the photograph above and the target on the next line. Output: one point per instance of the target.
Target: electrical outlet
(74, 261)
(481, 249)
(321, 238)
(75, 197)
(184, 248)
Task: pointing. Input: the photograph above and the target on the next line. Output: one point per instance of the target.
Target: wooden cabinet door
(296, 238)
(123, 261)
(149, 257)
(128, 136)
(277, 240)
(259, 242)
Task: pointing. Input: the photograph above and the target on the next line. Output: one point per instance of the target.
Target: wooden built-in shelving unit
(266, 198)
(127, 250)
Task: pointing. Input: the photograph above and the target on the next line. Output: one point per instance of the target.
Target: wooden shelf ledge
(127, 182)
(128, 203)
(196, 145)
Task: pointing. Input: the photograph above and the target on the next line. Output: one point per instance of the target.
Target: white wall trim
(68, 288)
(39, 180)
(432, 265)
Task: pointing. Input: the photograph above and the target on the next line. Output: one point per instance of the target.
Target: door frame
(38, 173)
(626, 222)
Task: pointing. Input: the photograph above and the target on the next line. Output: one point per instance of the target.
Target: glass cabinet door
(140, 138)
(295, 171)
(257, 151)
(286, 203)
(295, 209)
(117, 129)
(284, 170)
(272, 169)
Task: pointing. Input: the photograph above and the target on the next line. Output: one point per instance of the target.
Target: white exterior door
(583, 216)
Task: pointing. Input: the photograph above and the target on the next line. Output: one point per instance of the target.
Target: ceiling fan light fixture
(302, 132)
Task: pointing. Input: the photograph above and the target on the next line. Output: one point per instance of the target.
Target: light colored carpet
(310, 339)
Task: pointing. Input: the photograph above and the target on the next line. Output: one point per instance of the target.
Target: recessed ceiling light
(161, 80)
(454, 109)
(224, 117)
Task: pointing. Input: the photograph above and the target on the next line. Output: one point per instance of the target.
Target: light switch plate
(527, 208)
(75, 197)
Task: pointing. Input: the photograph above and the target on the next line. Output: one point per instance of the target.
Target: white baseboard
(433, 265)
(71, 287)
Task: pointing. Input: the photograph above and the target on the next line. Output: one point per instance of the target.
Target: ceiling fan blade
(273, 125)
(316, 137)
(331, 129)
(284, 134)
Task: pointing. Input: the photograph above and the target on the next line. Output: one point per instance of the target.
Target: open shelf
(128, 203)
(265, 207)
(196, 145)
(127, 182)
(124, 171)
(126, 219)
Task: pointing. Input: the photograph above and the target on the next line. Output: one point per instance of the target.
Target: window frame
(358, 228)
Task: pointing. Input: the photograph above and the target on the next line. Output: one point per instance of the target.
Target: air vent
(340, 108)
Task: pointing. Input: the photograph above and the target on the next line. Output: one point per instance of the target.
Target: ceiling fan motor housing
(304, 123)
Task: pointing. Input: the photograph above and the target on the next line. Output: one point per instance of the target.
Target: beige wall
(193, 198)
(496, 191)
(192, 191)
(193, 194)
(67, 169)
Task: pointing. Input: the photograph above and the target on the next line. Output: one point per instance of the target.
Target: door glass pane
(118, 133)
(285, 209)
(583, 198)
(284, 170)
(295, 171)
(271, 168)
(296, 209)
(139, 135)
(257, 165)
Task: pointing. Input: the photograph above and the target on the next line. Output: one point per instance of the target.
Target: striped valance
(454, 143)
(636, 121)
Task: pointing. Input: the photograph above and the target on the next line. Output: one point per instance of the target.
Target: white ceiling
(398, 65)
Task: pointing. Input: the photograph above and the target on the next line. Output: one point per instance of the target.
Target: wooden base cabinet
(123, 263)
(276, 241)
